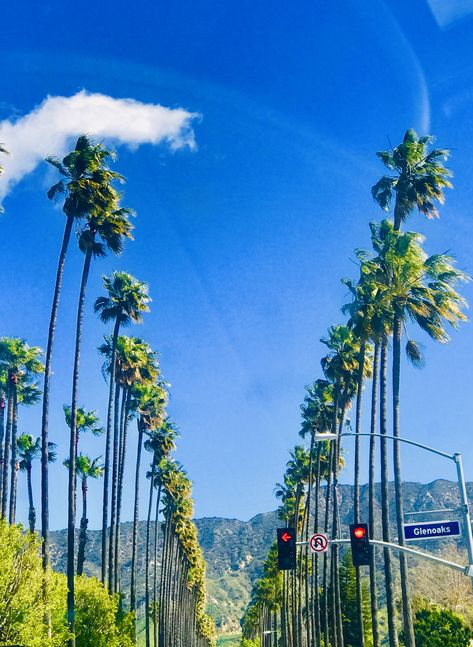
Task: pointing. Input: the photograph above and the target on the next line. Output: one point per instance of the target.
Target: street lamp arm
(404, 440)
(412, 551)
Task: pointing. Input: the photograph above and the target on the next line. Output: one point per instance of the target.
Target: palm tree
(419, 181)
(21, 364)
(3, 401)
(29, 449)
(317, 412)
(81, 174)
(420, 289)
(126, 301)
(27, 395)
(136, 364)
(363, 316)
(107, 225)
(341, 367)
(298, 472)
(86, 468)
(150, 405)
(161, 442)
(419, 178)
(86, 421)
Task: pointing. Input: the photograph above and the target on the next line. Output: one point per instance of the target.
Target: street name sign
(319, 543)
(431, 530)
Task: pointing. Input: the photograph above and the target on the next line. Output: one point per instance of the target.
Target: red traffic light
(286, 537)
(359, 532)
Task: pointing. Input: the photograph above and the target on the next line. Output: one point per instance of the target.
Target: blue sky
(244, 239)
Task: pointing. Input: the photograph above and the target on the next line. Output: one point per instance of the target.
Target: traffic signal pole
(464, 509)
(465, 513)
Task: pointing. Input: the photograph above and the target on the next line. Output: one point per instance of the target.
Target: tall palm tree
(27, 396)
(362, 311)
(81, 174)
(126, 301)
(29, 449)
(136, 364)
(341, 366)
(3, 402)
(150, 406)
(419, 181)
(21, 364)
(107, 225)
(86, 468)
(419, 289)
(317, 411)
(161, 442)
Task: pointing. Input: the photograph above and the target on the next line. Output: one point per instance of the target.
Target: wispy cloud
(49, 129)
(450, 12)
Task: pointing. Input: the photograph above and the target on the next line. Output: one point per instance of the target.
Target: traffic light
(286, 549)
(360, 544)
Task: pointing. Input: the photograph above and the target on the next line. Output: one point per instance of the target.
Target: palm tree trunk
(71, 508)
(333, 602)
(134, 550)
(164, 559)
(148, 522)
(6, 457)
(406, 602)
(116, 557)
(83, 530)
(309, 617)
(126, 399)
(315, 594)
(336, 533)
(356, 503)
(106, 479)
(155, 570)
(46, 393)
(371, 495)
(284, 636)
(328, 491)
(388, 572)
(14, 463)
(295, 614)
(2, 442)
(32, 511)
(113, 509)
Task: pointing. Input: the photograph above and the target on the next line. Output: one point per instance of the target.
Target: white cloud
(50, 128)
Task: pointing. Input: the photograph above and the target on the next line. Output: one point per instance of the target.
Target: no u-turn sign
(318, 543)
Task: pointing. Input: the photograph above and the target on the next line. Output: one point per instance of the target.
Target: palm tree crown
(419, 178)
(29, 449)
(85, 179)
(126, 301)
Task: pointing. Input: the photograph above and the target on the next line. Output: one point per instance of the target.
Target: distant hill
(235, 550)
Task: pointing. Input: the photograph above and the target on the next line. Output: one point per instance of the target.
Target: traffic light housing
(286, 549)
(360, 544)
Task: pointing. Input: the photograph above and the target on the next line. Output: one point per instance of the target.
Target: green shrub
(99, 622)
(22, 609)
(437, 627)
